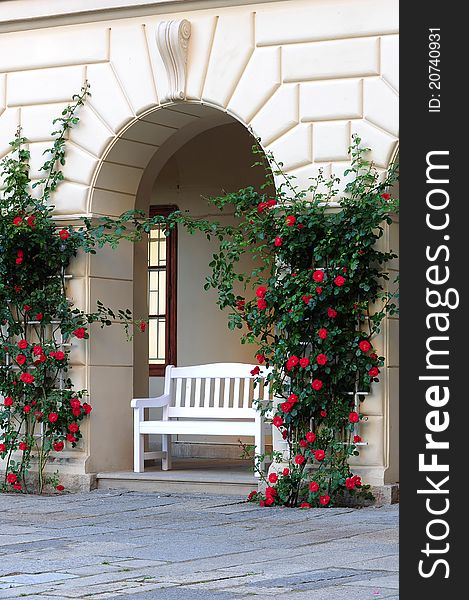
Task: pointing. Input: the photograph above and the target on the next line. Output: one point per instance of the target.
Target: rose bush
(40, 412)
(312, 307)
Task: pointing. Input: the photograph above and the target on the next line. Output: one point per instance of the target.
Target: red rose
(278, 241)
(307, 298)
(22, 344)
(73, 427)
(318, 276)
(37, 350)
(324, 500)
(303, 443)
(87, 408)
(269, 501)
(319, 454)
(358, 481)
(271, 202)
(300, 225)
(255, 371)
(75, 403)
(322, 333)
(356, 439)
(365, 345)
(38, 317)
(339, 281)
(260, 358)
(321, 359)
(22, 446)
(19, 261)
(286, 472)
(17, 288)
(386, 196)
(284, 434)
(311, 437)
(323, 413)
(17, 221)
(273, 477)
(290, 220)
(71, 438)
(286, 407)
(305, 505)
(64, 234)
(26, 308)
(299, 459)
(292, 398)
(292, 362)
(353, 417)
(373, 356)
(304, 362)
(142, 326)
(349, 483)
(20, 359)
(27, 409)
(27, 378)
(373, 372)
(252, 495)
(319, 290)
(261, 207)
(261, 502)
(3, 448)
(12, 478)
(261, 291)
(331, 313)
(277, 421)
(59, 355)
(270, 491)
(313, 486)
(58, 446)
(59, 488)
(261, 304)
(76, 412)
(79, 333)
(8, 401)
(53, 416)
(30, 221)
(317, 384)
(17, 486)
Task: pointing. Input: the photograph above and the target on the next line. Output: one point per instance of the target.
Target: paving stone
(141, 546)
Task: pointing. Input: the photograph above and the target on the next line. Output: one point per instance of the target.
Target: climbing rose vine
(40, 412)
(312, 307)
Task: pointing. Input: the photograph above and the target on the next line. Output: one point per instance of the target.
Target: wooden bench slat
(178, 391)
(208, 387)
(198, 385)
(236, 395)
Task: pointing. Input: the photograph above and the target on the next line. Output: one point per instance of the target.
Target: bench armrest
(151, 402)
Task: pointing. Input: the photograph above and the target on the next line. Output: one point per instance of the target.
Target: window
(162, 301)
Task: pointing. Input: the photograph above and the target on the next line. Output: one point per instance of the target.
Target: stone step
(187, 476)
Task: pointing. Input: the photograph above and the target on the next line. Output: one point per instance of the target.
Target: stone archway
(274, 68)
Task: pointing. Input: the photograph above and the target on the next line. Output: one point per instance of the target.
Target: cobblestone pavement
(145, 546)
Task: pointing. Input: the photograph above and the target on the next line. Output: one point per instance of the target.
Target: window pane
(157, 292)
(157, 335)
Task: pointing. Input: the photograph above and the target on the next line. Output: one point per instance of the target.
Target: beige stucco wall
(303, 75)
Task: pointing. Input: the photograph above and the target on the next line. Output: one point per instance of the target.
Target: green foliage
(41, 413)
(312, 305)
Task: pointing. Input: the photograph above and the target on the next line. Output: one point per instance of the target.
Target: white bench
(214, 399)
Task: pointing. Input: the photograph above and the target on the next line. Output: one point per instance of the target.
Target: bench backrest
(215, 391)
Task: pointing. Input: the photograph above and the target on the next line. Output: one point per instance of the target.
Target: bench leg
(166, 447)
(138, 442)
(259, 448)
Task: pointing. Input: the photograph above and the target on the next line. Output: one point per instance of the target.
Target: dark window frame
(171, 293)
